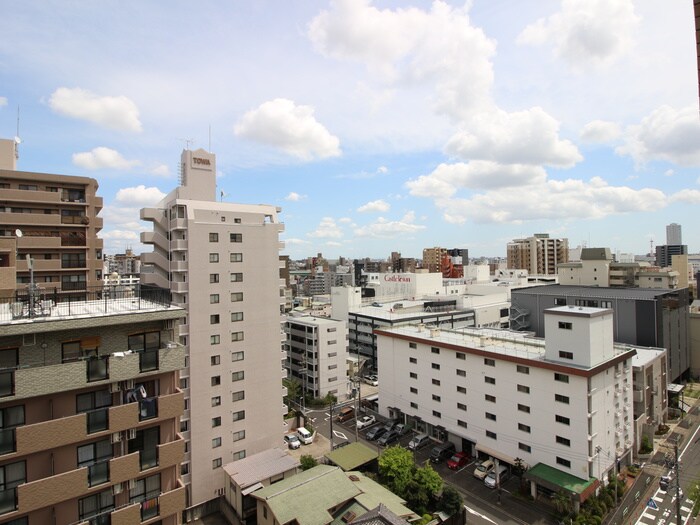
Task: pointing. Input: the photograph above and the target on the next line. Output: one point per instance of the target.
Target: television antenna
(188, 142)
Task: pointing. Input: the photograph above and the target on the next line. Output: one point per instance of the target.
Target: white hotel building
(563, 402)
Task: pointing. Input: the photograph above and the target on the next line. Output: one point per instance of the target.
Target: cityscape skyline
(379, 127)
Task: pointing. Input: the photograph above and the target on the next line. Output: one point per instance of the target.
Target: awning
(497, 454)
(252, 488)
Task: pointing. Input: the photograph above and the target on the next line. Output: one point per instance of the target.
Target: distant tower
(673, 234)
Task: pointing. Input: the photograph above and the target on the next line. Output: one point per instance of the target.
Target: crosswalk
(664, 514)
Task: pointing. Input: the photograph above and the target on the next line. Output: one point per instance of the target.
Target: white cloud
(125, 235)
(686, 196)
(333, 244)
(586, 31)
(3, 101)
(294, 241)
(410, 46)
(389, 229)
(374, 206)
(327, 228)
(294, 197)
(600, 131)
(139, 196)
(447, 179)
(522, 137)
(345, 220)
(668, 173)
(102, 157)
(282, 124)
(665, 134)
(382, 170)
(119, 113)
(161, 170)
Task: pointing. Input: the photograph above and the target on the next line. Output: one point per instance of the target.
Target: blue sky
(376, 126)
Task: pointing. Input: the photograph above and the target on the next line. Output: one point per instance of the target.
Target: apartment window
(524, 408)
(237, 356)
(95, 509)
(216, 401)
(236, 257)
(563, 441)
(563, 378)
(237, 277)
(414, 390)
(332, 329)
(237, 436)
(461, 406)
(236, 316)
(332, 354)
(332, 367)
(434, 350)
(332, 379)
(184, 383)
(412, 360)
(95, 456)
(565, 326)
(95, 405)
(238, 455)
(437, 414)
(462, 390)
(524, 428)
(524, 447)
(10, 418)
(213, 257)
(237, 416)
(436, 366)
(490, 416)
(489, 398)
(563, 462)
(460, 355)
(491, 435)
(237, 376)
(214, 339)
(461, 423)
(213, 237)
(436, 382)
(413, 375)
(216, 442)
(213, 278)
(215, 380)
(214, 319)
(236, 336)
(236, 237)
(238, 396)
(490, 380)
(214, 298)
(236, 297)
(489, 362)
(414, 405)
(566, 355)
(216, 421)
(562, 419)
(216, 463)
(561, 399)
(436, 398)
(184, 469)
(524, 389)
(522, 369)
(461, 373)
(215, 360)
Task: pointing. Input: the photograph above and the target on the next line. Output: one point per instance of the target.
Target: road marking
(472, 511)
(688, 443)
(339, 435)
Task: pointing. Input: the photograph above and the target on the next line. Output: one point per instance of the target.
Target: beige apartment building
(221, 262)
(432, 259)
(90, 406)
(54, 221)
(539, 254)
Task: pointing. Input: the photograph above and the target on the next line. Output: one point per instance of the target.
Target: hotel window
(563, 441)
(437, 414)
(412, 360)
(237, 416)
(561, 399)
(562, 378)
(213, 237)
(566, 355)
(461, 390)
(236, 257)
(236, 277)
(490, 380)
(237, 436)
(236, 316)
(236, 237)
(214, 339)
(523, 408)
(413, 375)
(213, 278)
(461, 423)
(414, 405)
(436, 366)
(216, 401)
(237, 376)
(214, 319)
(236, 297)
(565, 326)
(461, 373)
(489, 362)
(236, 336)
(434, 350)
(414, 390)
(237, 356)
(562, 419)
(524, 428)
(489, 398)
(215, 360)
(214, 298)
(238, 396)
(524, 389)
(216, 421)
(213, 257)
(238, 455)
(522, 369)
(460, 355)
(216, 463)
(216, 442)
(461, 406)
(563, 462)
(436, 398)
(524, 447)
(490, 416)
(412, 345)
(215, 380)
(436, 382)
(491, 435)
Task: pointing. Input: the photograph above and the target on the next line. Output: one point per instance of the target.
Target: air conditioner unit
(129, 384)
(131, 433)
(132, 484)
(114, 387)
(116, 437)
(118, 488)
(169, 324)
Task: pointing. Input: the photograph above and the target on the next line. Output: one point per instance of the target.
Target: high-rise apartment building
(432, 259)
(221, 262)
(54, 219)
(538, 254)
(673, 234)
(665, 253)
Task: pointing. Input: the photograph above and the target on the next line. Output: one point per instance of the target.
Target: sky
(376, 126)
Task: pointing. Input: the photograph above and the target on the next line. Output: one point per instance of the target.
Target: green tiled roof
(560, 478)
(352, 456)
(373, 494)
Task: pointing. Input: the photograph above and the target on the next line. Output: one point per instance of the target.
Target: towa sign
(201, 162)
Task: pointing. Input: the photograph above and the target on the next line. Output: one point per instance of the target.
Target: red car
(458, 460)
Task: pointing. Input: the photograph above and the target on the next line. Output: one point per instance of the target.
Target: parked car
(305, 436)
(292, 441)
(418, 441)
(665, 482)
(483, 468)
(458, 460)
(346, 414)
(388, 438)
(371, 380)
(375, 433)
(365, 421)
(401, 429)
(442, 451)
(496, 477)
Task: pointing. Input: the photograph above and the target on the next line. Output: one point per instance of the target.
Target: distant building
(432, 259)
(123, 263)
(538, 254)
(673, 234)
(665, 253)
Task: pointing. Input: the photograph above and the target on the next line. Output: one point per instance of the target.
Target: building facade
(538, 254)
(673, 234)
(221, 262)
(665, 253)
(90, 410)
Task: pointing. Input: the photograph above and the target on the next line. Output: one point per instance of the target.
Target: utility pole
(498, 481)
(677, 468)
(358, 402)
(616, 478)
(331, 425)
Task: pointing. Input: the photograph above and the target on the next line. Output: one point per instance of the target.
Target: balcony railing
(97, 368)
(7, 382)
(98, 473)
(148, 458)
(8, 500)
(97, 420)
(148, 360)
(148, 408)
(149, 506)
(8, 443)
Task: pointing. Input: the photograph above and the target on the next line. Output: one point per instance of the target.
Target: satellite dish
(18, 140)
(18, 233)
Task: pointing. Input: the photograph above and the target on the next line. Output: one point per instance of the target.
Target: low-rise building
(650, 395)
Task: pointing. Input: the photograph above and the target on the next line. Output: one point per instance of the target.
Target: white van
(305, 436)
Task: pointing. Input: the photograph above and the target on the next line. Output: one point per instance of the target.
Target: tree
(426, 477)
(307, 462)
(396, 468)
(293, 390)
(562, 503)
(519, 469)
(450, 501)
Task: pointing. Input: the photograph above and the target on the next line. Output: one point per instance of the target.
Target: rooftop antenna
(188, 143)
(209, 138)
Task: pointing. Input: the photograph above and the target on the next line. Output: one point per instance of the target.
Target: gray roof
(561, 290)
(380, 516)
(261, 466)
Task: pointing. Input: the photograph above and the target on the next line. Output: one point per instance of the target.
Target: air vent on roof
(348, 516)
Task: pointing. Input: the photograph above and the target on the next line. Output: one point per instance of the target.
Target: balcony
(47, 242)
(148, 408)
(178, 286)
(156, 259)
(27, 196)
(179, 266)
(178, 245)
